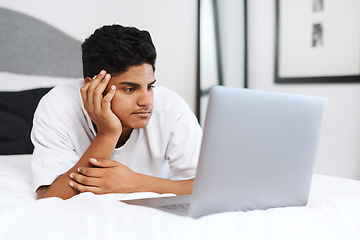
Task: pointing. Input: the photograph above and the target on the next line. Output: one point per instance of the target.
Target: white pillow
(18, 82)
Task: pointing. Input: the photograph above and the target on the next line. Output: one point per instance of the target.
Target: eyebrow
(136, 84)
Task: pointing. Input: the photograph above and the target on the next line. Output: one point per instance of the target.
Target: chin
(140, 124)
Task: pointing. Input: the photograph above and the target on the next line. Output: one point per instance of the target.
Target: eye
(128, 90)
(150, 87)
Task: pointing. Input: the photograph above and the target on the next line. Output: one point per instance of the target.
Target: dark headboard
(31, 46)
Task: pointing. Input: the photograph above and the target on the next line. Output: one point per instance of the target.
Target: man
(113, 132)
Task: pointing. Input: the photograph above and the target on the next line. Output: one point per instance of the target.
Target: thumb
(103, 162)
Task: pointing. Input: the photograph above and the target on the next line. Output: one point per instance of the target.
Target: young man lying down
(114, 131)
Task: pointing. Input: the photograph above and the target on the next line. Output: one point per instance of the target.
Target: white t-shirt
(168, 147)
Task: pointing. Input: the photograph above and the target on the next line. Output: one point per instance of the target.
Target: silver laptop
(258, 152)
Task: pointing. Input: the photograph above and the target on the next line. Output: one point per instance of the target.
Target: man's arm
(102, 146)
(113, 177)
(109, 130)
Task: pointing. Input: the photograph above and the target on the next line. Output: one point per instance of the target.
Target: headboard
(34, 57)
(31, 46)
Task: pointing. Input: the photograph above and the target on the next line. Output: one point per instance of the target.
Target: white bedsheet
(333, 212)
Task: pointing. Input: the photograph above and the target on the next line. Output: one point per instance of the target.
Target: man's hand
(107, 176)
(109, 129)
(98, 105)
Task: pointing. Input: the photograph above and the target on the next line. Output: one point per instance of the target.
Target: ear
(86, 80)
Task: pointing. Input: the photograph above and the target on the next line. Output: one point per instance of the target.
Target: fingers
(97, 93)
(104, 163)
(106, 176)
(106, 102)
(84, 180)
(92, 91)
(94, 82)
(83, 90)
(98, 106)
(94, 172)
(90, 179)
(85, 183)
(83, 188)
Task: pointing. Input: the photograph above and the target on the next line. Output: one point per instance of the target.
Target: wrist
(161, 186)
(108, 132)
(140, 183)
(107, 138)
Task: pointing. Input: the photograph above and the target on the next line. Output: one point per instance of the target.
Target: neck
(125, 135)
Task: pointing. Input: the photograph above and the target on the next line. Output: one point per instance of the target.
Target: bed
(29, 67)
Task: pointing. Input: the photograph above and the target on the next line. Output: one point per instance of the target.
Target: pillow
(16, 111)
(18, 82)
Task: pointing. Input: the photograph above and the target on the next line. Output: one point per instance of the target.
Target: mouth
(143, 114)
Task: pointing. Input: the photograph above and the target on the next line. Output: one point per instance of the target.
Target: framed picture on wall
(317, 41)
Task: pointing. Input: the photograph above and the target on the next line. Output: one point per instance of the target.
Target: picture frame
(317, 41)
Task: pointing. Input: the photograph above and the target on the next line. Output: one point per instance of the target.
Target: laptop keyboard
(177, 207)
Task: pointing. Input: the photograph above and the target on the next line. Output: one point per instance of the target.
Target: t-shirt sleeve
(53, 154)
(184, 146)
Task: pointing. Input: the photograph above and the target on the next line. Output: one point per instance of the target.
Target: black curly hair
(115, 48)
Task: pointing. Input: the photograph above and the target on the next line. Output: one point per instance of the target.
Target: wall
(231, 41)
(174, 29)
(339, 151)
(172, 24)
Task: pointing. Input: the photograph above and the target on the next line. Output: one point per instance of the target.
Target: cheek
(120, 107)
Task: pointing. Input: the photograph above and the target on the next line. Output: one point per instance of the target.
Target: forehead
(142, 74)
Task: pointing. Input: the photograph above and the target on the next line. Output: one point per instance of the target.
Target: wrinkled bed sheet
(333, 212)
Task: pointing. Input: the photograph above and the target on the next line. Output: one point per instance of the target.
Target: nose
(145, 99)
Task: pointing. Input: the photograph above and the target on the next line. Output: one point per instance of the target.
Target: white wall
(232, 41)
(173, 27)
(232, 45)
(172, 24)
(339, 150)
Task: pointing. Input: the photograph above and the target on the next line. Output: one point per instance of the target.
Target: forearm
(159, 185)
(102, 147)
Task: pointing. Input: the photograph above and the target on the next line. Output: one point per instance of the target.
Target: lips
(143, 113)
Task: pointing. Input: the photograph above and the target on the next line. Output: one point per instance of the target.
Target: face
(133, 101)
